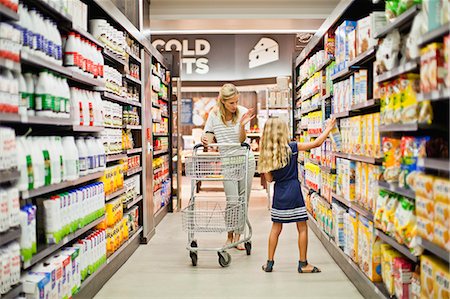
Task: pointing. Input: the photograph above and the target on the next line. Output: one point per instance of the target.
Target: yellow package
(362, 149)
(442, 282)
(358, 182)
(411, 85)
(441, 236)
(428, 267)
(110, 248)
(125, 229)
(388, 254)
(353, 236)
(424, 207)
(441, 214)
(369, 251)
(358, 135)
(368, 142)
(425, 228)
(441, 190)
(423, 185)
(406, 226)
(389, 214)
(380, 208)
(364, 183)
(397, 104)
(376, 136)
(372, 189)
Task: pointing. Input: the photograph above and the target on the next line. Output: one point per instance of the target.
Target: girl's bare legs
(302, 228)
(229, 238)
(273, 239)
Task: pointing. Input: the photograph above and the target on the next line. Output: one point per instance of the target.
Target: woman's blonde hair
(274, 148)
(227, 92)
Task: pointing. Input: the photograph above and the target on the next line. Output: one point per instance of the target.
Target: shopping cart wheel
(194, 258)
(194, 244)
(248, 247)
(224, 258)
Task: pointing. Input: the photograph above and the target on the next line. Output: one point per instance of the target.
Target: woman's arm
(305, 146)
(268, 177)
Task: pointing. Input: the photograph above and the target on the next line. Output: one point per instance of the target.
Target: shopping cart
(218, 214)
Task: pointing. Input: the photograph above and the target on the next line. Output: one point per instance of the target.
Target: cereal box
(364, 183)
(428, 267)
(388, 254)
(363, 85)
(376, 136)
(402, 277)
(441, 213)
(424, 185)
(441, 190)
(441, 235)
(372, 192)
(441, 281)
(351, 41)
(353, 235)
(425, 228)
(424, 207)
(369, 250)
(358, 181)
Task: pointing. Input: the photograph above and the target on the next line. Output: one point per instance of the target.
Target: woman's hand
(247, 117)
(204, 140)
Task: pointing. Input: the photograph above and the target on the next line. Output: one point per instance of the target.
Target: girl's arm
(268, 177)
(305, 146)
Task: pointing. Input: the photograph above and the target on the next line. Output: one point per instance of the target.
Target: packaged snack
(372, 188)
(376, 136)
(424, 207)
(353, 235)
(432, 75)
(415, 283)
(447, 58)
(441, 213)
(441, 190)
(387, 54)
(389, 214)
(380, 208)
(391, 10)
(410, 87)
(425, 113)
(351, 41)
(428, 266)
(412, 149)
(396, 101)
(392, 159)
(369, 250)
(406, 226)
(402, 277)
(411, 48)
(388, 254)
(441, 281)
(441, 235)
(425, 228)
(423, 185)
(358, 182)
(329, 44)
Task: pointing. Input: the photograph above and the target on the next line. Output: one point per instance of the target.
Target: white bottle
(13, 89)
(76, 107)
(36, 38)
(43, 98)
(48, 45)
(31, 96)
(71, 52)
(22, 183)
(38, 161)
(24, 95)
(82, 156)
(66, 95)
(4, 213)
(102, 154)
(71, 158)
(91, 153)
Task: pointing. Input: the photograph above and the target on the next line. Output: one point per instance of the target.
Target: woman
(278, 162)
(228, 122)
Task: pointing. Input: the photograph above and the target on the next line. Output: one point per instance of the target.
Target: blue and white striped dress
(288, 204)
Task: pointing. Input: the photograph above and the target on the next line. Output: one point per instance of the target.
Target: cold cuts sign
(230, 57)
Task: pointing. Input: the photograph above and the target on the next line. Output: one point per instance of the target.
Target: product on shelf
(113, 114)
(360, 135)
(87, 107)
(134, 71)
(127, 140)
(432, 68)
(9, 208)
(8, 147)
(10, 266)
(131, 115)
(112, 140)
(132, 187)
(134, 162)
(367, 28)
(113, 39)
(113, 178)
(28, 236)
(351, 91)
(161, 144)
(113, 80)
(369, 250)
(11, 42)
(434, 278)
(67, 212)
(132, 218)
(91, 155)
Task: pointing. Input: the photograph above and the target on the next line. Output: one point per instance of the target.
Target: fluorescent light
(228, 31)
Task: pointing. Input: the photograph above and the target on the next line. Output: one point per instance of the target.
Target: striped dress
(288, 204)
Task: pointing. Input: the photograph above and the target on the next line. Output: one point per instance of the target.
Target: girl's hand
(330, 124)
(247, 117)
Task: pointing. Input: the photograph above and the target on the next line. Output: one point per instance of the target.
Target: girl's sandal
(268, 267)
(302, 265)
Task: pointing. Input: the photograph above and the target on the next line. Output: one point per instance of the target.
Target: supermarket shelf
(124, 245)
(442, 95)
(63, 185)
(312, 162)
(46, 250)
(114, 194)
(132, 79)
(115, 157)
(401, 248)
(396, 189)
(405, 18)
(434, 34)
(367, 288)
(399, 128)
(341, 114)
(159, 153)
(113, 126)
(355, 63)
(436, 250)
(359, 158)
(34, 120)
(404, 68)
(118, 99)
(10, 235)
(87, 35)
(8, 14)
(132, 127)
(328, 169)
(362, 211)
(9, 175)
(14, 292)
(134, 151)
(88, 129)
(436, 164)
(49, 11)
(160, 135)
(366, 105)
(156, 105)
(322, 199)
(90, 278)
(135, 58)
(113, 57)
(10, 65)
(31, 59)
(341, 199)
(307, 97)
(324, 65)
(312, 109)
(279, 107)
(133, 202)
(134, 171)
(78, 77)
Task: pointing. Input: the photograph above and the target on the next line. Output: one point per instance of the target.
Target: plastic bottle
(24, 95)
(82, 156)
(71, 54)
(43, 98)
(91, 154)
(30, 91)
(37, 161)
(66, 95)
(71, 158)
(76, 107)
(102, 155)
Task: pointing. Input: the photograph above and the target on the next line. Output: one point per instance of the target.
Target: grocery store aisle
(162, 269)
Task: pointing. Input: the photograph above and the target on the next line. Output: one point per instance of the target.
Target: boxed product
(441, 281)
(428, 267)
(424, 207)
(358, 182)
(367, 29)
(338, 224)
(432, 11)
(423, 185)
(402, 277)
(364, 184)
(372, 188)
(351, 41)
(36, 285)
(441, 235)
(425, 228)
(432, 68)
(441, 190)
(352, 236)
(329, 44)
(369, 250)
(388, 255)
(392, 159)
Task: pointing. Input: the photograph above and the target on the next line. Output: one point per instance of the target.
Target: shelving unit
(8, 14)
(436, 164)
(10, 235)
(14, 292)
(114, 194)
(401, 248)
(396, 189)
(358, 158)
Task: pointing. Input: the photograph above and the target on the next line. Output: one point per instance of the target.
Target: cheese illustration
(265, 51)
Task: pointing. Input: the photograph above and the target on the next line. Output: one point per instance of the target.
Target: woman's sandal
(302, 265)
(268, 267)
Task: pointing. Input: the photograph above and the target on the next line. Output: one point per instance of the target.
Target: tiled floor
(162, 268)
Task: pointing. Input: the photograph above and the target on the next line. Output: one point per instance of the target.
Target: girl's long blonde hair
(274, 148)
(227, 92)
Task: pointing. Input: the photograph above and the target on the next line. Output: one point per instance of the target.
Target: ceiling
(238, 16)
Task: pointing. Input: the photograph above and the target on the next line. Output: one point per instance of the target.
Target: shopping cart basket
(220, 214)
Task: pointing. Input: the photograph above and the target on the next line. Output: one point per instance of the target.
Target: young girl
(278, 162)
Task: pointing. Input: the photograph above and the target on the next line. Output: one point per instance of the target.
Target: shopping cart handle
(245, 144)
(200, 145)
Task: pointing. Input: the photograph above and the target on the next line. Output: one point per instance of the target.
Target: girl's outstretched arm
(305, 146)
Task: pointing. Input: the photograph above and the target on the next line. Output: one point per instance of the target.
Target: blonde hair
(227, 92)
(274, 148)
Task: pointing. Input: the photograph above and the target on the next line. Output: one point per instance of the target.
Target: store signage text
(193, 56)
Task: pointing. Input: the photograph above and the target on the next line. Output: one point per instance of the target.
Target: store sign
(230, 57)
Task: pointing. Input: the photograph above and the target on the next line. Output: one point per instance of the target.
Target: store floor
(162, 268)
